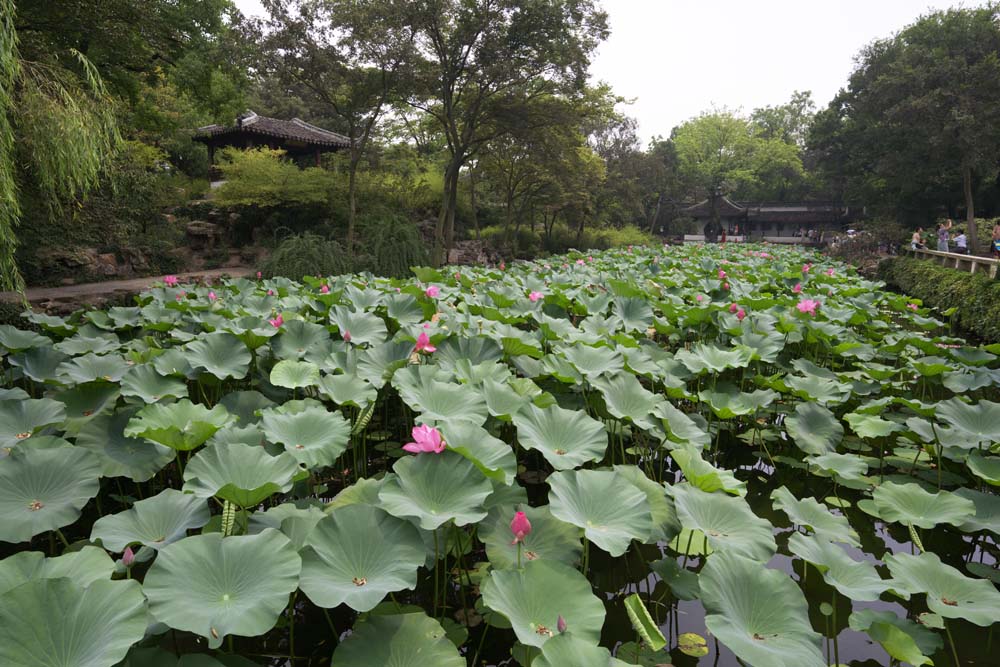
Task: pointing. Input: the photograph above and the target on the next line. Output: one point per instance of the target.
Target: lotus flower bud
(561, 624)
(520, 526)
(128, 557)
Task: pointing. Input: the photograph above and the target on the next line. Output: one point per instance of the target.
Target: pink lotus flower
(325, 289)
(170, 281)
(740, 314)
(699, 298)
(806, 267)
(432, 291)
(535, 296)
(725, 285)
(258, 275)
(912, 306)
(561, 624)
(426, 440)
(270, 292)
(830, 272)
(181, 295)
(347, 336)
(520, 526)
(211, 296)
(128, 557)
(808, 306)
(424, 344)
(427, 325)
(548, 266)
(458, 276)
(722, 274)
(733, 307)
(503, 266)
(798, 288)
(590, 259)
(580, 261)
(277, 322)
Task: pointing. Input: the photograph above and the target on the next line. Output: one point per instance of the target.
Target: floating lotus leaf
(566, 650)
(119, 455)
(814, 429)
(294, 374)
(89, 340)
(856, 580)
(215, 587)
(39, 363)
(399, 640)
(550, 538)
(242, 474)
(84, 403)
(357, 555)
(447, 402)
(173, 362)
(84, 567)
(823, 390)
(566, 438)
(44, 489)
(245, 405)
(494, 457)
(20, 419)
(295, 520)
(14, 339)
(377, 364)
(314, 435)
(871, 426)
(980, 422)
(635, 314)
(758, 613)
(949, 593)
(727, 401)
(680, 427)
(842, 466)
(611, 510)
(901, 638)
(534, 597)
(59, 623)
(809, 513)
(726, 521)
(220, 354)
(435, 489)
(182, 425)
(910, 504)
(986, 468)
(154, 522)
(145, 383)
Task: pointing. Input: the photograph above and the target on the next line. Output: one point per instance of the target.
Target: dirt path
(70, 297)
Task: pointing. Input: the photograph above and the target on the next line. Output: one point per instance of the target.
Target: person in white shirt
(961, 243)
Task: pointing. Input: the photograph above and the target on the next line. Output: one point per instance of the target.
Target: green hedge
(975, 297)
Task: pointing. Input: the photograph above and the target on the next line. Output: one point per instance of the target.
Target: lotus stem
(519, 555)
(435, 572)
(291, 626)
(586, 555)
(482, 640)
(329, 622)
(951, 642)
(63, 538)
(836, 632)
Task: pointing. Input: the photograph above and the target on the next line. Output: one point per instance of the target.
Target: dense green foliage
(536, 462)
(973, 299)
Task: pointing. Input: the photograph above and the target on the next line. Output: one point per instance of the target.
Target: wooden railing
(970, 263)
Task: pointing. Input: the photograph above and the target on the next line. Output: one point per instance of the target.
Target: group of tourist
(959, 243)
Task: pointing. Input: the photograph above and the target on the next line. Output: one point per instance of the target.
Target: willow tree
(57, 132)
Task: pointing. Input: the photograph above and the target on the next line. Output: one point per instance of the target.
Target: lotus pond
(688, 455)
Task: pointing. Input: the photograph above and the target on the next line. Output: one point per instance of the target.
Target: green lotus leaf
(643, 623)
(566, 650)
(119, 455)
(242, 474)
(364, 491)
(215, 587)
(987, 515)
(154, 522)
(680, 427)
(39, 363)
(566, 438)
(758, 613)
(245, 405)
(84, 403)
(92, 367)
(89, 340)
(856, 580)
(358, 554)
(59, 623)
(949, 592)
(294, 374)
(502, 399)
(435, 489)
(727, 401)
(980, 422)
(14, 340)
(348, 389)
(823, 390)
(910, 504)
(84, 567)
(814, 429)
(683, 583)
(446, 402)
(702, 358)
(635, 314)
(364, 328)
(294, 519)
(173, 362)
(314, 435)
(871, 426)
(377, 364)
(986, 468)
(843, 466)
(626, 398)
(661, 506)
(726, 522)
(494, 457)
(534, 597)
(549, 539)
(404, 309)
(611, 510)
(44, 489)
(220, 354)
(901, 638)
(702, 474)
(593, 361)
(20, 419)
(811, 514)
(182, 425)
(299, 339)
(398, 640)
(145, 383)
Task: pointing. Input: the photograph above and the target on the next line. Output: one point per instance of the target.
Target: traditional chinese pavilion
(777, 222)
(300, 140)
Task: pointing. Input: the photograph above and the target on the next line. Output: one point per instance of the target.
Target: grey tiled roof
(295, 129)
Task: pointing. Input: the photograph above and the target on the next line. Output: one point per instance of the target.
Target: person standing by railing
(996, 240)
(917, 240)
(942, 235)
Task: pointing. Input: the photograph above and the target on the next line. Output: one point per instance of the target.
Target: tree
(920, 118)
(481, 59)
(788, 122)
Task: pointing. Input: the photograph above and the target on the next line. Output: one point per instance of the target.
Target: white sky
(677, 58)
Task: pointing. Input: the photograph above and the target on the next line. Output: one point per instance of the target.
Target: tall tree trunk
(656, 213)
(472, 201)
(449, 230)
(970, 212)
(352, 203)
(440, 255)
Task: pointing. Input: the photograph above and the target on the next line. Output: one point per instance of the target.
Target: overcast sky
(677, 58)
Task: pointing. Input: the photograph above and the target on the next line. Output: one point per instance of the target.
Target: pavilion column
(317, 157)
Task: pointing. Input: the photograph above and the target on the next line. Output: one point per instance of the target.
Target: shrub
(395, 244)
(975, 297)
(307, 255)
